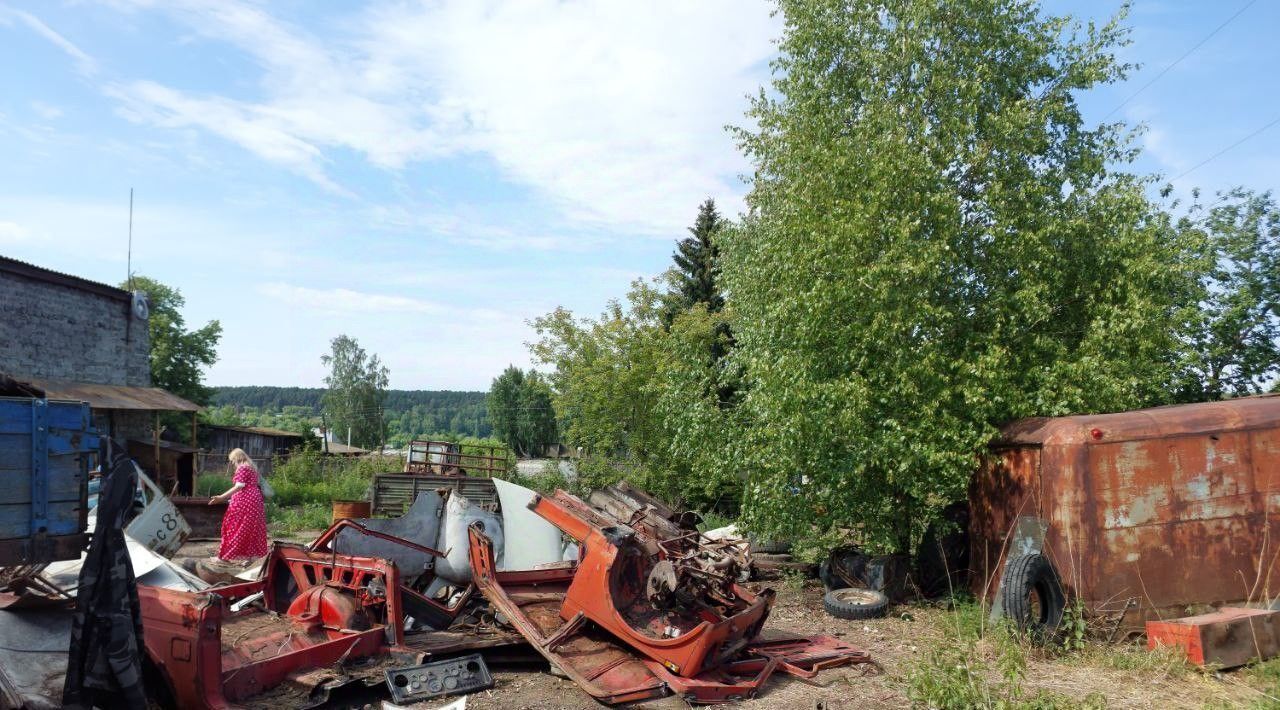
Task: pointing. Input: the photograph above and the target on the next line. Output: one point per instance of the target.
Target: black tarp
(104, 664)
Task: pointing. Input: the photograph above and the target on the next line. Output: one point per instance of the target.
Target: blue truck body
(46, 449)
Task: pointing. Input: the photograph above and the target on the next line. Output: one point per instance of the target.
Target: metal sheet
(528, 539)
(115, 396)
(420, 524)
(1148, 513)
(36, 660)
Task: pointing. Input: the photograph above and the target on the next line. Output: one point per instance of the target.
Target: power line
(1175, 63)
(1209, 159)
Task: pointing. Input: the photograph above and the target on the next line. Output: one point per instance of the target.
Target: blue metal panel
(39, 467)
(44, 469)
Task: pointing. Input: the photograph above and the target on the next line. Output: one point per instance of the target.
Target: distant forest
(408, 413)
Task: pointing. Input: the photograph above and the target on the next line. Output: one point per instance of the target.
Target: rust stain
(1152, 511)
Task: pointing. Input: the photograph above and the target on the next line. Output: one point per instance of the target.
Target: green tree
(695, 277)
(1234, 330)
(936, 243)
(503, 405)
(639, 397)
(178, 355)
(520, 408)
(357, 392)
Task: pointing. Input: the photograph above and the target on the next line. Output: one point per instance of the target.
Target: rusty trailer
(1139, 515)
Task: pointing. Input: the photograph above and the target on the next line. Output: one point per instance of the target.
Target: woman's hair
(239, 458)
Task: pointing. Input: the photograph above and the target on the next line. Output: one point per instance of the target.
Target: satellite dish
(141, 305)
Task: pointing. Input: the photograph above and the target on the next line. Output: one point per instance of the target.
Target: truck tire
(771, 547)
(855, 603)
(1032, 594)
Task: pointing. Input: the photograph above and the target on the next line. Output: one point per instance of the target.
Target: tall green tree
(694, 283)
(357, 393)
(936, 243)
(178, 356)
(503, 405)
(695, 278)
(1234, 331)
(521, 411)
(640, 397)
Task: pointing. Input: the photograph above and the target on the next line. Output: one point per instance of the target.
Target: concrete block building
(82, 340)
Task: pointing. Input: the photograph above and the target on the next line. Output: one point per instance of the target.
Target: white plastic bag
(459, 514)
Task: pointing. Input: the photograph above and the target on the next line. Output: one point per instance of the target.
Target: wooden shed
(260, 443)
(175, 472)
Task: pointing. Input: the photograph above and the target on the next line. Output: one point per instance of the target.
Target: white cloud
(614, 111)
(84, 63)
(348, 301)
(12, 233)
(49, 112)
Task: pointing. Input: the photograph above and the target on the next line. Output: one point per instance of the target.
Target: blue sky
(427, 176)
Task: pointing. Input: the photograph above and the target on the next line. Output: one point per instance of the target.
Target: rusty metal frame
(182, 631)
(599, 589)
(607, 671)
(613, 662)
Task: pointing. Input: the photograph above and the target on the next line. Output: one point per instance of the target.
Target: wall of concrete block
(58, 331)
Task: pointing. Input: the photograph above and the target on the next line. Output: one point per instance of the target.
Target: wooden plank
(15, 416)
(64, 485)
(15, 520)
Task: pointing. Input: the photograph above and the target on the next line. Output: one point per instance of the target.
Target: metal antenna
(129, 259)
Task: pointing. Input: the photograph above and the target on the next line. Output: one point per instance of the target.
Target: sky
(427, 177)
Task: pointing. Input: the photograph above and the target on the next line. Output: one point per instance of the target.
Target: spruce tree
(694, 280)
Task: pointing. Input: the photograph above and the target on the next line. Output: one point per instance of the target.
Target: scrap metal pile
(651, 607)
(644, 607)
(621, 594)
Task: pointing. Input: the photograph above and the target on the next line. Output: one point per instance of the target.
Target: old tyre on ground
(771, 547)
(1032, 594)
(855, 603)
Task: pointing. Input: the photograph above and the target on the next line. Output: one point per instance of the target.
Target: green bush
(211, 484)
(311, 516)
(307, 483)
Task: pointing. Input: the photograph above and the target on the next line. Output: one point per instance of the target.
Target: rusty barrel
(353, 509)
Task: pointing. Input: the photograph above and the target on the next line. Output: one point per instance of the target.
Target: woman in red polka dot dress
(244, 527)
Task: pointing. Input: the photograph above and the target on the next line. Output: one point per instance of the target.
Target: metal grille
(394, 492)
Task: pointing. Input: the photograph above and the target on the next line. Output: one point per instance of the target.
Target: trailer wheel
(1033, 597)
(855, 603)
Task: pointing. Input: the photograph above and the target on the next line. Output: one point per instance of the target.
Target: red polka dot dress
(244, 527)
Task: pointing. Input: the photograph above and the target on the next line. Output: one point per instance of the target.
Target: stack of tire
(771, 558)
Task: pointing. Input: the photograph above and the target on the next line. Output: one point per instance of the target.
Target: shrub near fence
(307, 483)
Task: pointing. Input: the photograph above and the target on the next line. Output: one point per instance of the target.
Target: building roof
(31, 271)
(1174, 420)
(167, 446)
(114, 396)
(262, 430)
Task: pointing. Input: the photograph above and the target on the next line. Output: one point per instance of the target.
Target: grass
(307, 484)
(1265, 678)
(211, 484)
(981, 664)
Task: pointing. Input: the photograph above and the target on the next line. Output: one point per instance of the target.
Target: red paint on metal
(609, 589)
(1227, 638)
(1171, 508)
(617, 661)
(531, 600)
(183, 631)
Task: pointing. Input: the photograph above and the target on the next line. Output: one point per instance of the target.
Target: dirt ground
(896, 643)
